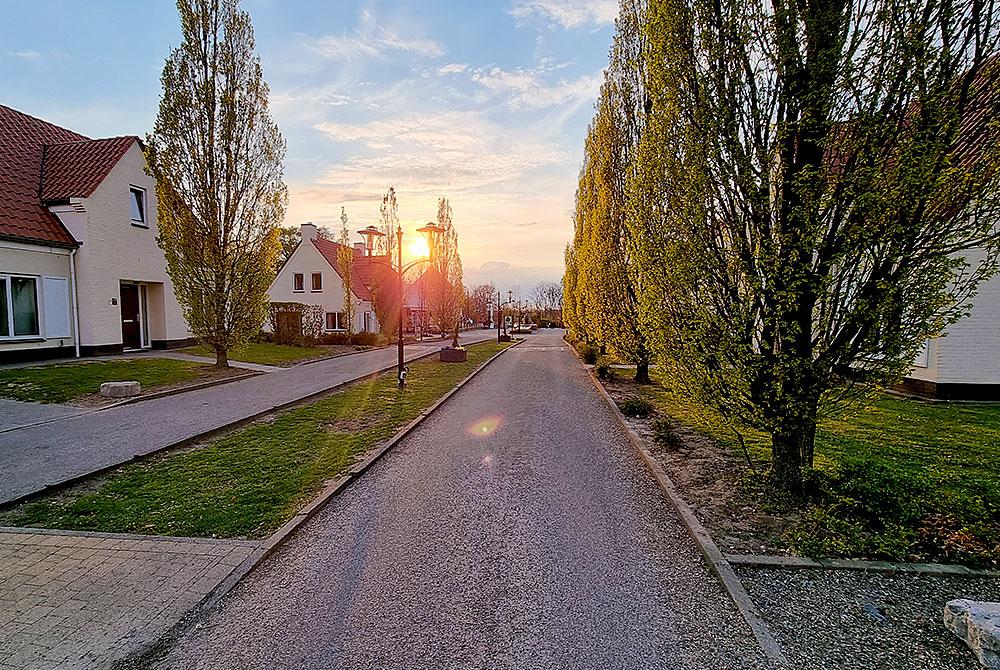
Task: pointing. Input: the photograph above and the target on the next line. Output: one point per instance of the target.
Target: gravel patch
(834, 618)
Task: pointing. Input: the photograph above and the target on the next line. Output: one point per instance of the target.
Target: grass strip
(263, 353)
(248, 483)
(66, 381)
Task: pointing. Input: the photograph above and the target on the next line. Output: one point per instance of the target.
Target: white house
(964, 364)
(80, 270)
(311, 276)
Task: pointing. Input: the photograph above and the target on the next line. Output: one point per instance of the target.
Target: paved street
(33, 457)
(515, 528)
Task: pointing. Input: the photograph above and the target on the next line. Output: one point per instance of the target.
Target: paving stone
(78, 601)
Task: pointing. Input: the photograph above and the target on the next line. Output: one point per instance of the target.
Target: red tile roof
(74, 166)
(364, 271)
(76, 169)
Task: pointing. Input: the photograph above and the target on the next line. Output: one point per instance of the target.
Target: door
(131, 327)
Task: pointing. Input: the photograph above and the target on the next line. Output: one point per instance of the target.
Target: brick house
(80, 270)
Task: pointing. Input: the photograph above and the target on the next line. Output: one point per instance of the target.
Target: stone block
(120, 389)
(978, 625)
(453, 355)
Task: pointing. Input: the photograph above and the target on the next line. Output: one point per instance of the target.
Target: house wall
(114, 250)
(965, 362)
(306, 259)
(39, 261)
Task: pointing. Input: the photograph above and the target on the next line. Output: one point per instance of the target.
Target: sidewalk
(34, 457)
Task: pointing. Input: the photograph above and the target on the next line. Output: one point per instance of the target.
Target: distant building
(80, 270)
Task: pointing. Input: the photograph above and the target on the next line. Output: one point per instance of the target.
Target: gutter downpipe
(76, 310)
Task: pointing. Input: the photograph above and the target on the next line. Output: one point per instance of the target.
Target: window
(137, 204)
(336, 321)
(18, 307)
(298, 282)
(317, 281)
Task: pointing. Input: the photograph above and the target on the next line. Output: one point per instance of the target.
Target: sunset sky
(484, 103)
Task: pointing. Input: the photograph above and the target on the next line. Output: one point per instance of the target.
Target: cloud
(26, 54)
(568, 13)
(453, 68)
(373, 40)
(525, 88)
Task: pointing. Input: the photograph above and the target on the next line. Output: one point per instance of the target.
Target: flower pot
(453, 355)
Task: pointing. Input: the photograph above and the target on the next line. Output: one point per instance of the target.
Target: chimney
(360, 246)
(309, 231)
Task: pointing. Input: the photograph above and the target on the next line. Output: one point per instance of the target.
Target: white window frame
(337, 322)
(299, 290)
(144, 221)
(312, 282)
(9, 316)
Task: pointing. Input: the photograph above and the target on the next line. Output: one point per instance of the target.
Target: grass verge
(250, 482)
(66, 381)
(263, 353)
(895, 478)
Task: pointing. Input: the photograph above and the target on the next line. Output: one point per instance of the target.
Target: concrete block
(120, 389)
(978, 625)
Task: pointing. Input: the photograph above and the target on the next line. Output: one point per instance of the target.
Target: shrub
(359, 339)
(636, 407)
(588, 352)
(603, 368)
(876, 493)
(666, 435)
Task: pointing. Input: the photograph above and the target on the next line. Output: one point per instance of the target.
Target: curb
(891, 567)
(233, 425)
(715, 559)
(330, 489)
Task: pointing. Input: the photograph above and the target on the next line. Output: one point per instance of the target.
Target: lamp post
(371, 232)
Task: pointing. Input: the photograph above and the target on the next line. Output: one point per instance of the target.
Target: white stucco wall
(113, 249)
(306, 260)
(39, 262)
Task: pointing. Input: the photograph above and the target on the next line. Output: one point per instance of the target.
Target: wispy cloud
(526, 88)
(373, 40)
(453, 68)
(26, 54)
(568, 13)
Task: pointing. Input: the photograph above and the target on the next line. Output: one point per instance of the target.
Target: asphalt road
(50, 453)
(515, 528)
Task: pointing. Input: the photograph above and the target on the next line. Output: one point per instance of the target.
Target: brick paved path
(84, 600)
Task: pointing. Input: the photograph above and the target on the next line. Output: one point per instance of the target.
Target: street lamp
(429, 230)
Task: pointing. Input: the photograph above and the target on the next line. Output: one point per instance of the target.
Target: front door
(130, 316)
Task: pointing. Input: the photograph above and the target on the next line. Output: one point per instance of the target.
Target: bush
(359, 339)
(588, 352)
(876, 493)
(666, 435)
(603, 368)
(636, 407)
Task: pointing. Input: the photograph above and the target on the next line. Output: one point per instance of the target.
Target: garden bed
(896, 479)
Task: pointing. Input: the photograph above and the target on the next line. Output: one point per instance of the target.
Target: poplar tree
(814, 197)
(217, 157)
(345, 267)
(385, 285)
(446, 288)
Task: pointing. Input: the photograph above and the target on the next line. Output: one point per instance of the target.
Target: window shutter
(56, 307)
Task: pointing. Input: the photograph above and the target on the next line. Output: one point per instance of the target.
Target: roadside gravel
(820, 618)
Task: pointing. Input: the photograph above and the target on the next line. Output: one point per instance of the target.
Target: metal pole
(399, 256)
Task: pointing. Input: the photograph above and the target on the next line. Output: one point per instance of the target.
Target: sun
(419, 248)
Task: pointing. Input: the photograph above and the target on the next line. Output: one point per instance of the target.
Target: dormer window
(137, 205)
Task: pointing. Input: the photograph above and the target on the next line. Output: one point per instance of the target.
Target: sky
(485, 103)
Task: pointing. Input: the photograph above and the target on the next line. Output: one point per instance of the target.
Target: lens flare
(484, 427)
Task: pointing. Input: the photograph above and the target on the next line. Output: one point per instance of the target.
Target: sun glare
(419, 248)
(484, 427)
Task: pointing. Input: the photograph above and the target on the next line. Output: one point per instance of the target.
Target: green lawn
(896, 477)
(263, 353)
(66, 381)
(250, 482)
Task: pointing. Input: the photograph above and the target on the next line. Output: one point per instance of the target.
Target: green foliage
(64, 382)
(217, 157)
(665, 434)
(636, 407)
(264, 353)
(345, 268)
(588, 352)
(603, 367)
(250, 482)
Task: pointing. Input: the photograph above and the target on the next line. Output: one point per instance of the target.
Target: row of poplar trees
(781, 201)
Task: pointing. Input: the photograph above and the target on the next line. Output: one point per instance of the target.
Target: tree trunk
(221, 358)
(793, 446)
(642, 372)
